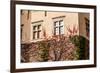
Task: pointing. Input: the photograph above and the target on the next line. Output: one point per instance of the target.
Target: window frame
(36, 31)
(59, 27)
(36, 23)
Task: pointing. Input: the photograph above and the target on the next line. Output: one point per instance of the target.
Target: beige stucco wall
(26, 28)
(70, 20)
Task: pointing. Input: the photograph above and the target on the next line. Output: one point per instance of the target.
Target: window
(37, 31)
(22, 30)
(59, 27)
(87, 27)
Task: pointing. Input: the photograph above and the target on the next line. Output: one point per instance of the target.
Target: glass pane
(61, 30)
(38, 34)
(56, 31)
(56, 24)
(34, 35)
(61, 23)
(39, 27)
(34, 28)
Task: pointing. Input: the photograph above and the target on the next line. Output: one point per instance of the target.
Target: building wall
(70, 20)
(47, 21)
(25, 21)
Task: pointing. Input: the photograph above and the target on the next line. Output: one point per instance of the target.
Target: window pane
(38, 34)
(56, 31)
(34, 35)
(56, 24)
(61, 30)
(39, 27)
(61, 23)
(34, 28)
